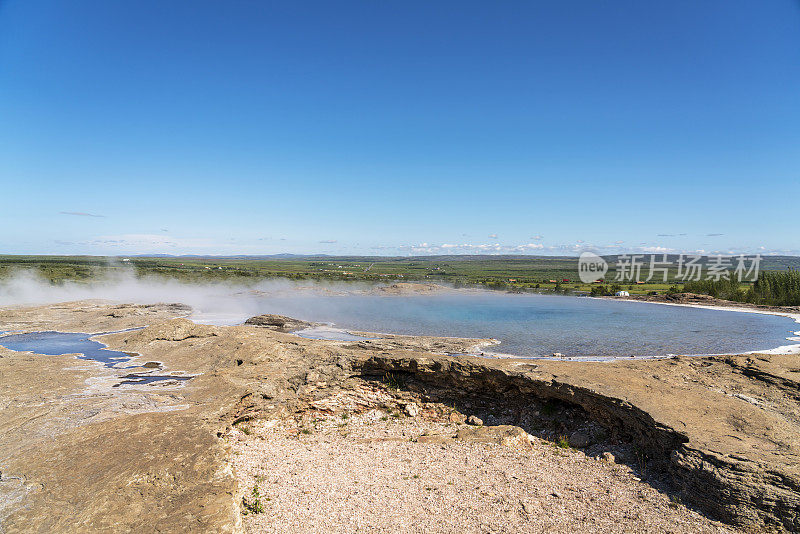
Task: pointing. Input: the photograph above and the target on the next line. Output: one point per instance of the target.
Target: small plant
(673, 289)
(345, 416)
(252, 505)
(641, 459)
(393, 381)
(674, 501)
(305, 431)
(563, 442)
(245, 428)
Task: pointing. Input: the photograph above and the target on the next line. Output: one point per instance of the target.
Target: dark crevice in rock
(723, 488)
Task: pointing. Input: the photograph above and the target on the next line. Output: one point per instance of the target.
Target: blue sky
(399, 128)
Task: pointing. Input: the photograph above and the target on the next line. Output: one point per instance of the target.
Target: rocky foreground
(343, 436)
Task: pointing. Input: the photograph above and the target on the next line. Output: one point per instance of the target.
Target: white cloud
(80, 214)
(469, 248)
(659, 250)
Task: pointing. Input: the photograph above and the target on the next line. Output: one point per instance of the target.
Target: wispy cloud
(328, 241)
(80, 214)
(714, 235)
(492, 236)
(537, 238)
(469, 248)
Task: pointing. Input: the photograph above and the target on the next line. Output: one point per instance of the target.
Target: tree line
(773, 288)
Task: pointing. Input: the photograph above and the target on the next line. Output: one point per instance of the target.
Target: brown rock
(474, 420)
(608, 457)
(435, 439)
(456, 417)
(280, 323)
(506, 435)
(411, 409)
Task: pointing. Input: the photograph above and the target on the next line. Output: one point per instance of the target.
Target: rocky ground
(717, 434)
(385, 471)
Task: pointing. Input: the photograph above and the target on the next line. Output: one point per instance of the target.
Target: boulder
(474, 420)
(581, 439)
(281, 323)
(411, 409)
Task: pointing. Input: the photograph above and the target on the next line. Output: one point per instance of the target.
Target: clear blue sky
(399, 127)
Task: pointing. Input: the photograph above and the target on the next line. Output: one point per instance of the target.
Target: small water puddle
(328, 333)
(53, 343)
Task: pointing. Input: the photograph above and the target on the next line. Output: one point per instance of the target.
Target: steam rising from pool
(213, 302)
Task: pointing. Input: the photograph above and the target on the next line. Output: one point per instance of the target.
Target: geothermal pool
(538, 325)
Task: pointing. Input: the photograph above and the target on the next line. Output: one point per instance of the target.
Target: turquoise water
(539, 325)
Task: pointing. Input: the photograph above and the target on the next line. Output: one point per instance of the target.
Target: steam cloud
(213, 302)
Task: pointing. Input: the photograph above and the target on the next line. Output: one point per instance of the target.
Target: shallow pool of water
(539, 325)
(58, 343)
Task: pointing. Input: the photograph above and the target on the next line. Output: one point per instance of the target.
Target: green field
(511, 273)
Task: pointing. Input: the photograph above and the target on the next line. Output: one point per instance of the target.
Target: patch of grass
(243, 427)
(345, 416)
(675, 501)
(563, 442)
(394, 381)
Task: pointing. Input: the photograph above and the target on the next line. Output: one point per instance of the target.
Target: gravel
(367, 473)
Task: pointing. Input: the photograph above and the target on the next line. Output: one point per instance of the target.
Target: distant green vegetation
(774, 288)
(504, 273)
(778, 288)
